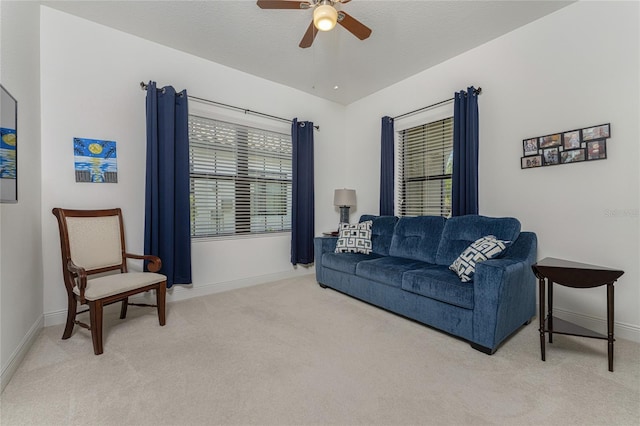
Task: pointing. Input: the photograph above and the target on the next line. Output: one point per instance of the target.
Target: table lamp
(344, 198)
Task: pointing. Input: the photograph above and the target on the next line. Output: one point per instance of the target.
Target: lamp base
(344, 214)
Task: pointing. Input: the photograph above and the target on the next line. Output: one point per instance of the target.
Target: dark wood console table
(576, 275)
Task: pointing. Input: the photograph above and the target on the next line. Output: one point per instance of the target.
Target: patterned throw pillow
(481, 250)
(354, 238)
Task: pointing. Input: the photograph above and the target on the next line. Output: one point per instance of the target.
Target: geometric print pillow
(354, 238)
(479, 251)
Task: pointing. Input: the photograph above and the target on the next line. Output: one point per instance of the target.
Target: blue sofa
(407, 272)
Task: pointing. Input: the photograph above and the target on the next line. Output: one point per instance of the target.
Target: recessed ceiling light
(335, 87)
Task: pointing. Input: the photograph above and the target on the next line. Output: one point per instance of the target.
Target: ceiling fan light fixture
(325, 17)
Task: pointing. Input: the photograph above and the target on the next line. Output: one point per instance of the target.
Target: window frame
(423, 118)
(243, 218)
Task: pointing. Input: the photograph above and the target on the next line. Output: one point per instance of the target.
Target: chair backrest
(91, 239)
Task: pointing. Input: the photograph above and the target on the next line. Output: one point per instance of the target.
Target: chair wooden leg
(123, 308)
(95, 312)
(161, 294)
(71, 317)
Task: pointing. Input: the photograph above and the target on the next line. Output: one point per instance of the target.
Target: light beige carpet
(291, 353)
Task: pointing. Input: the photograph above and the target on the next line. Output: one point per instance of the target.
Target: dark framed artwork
(571, 140)
(551, 156)
(531, 161)
(569, 146)
(602, 131)
(550, 140)
(530, 146)
(572, 156)
(597, 150)
(8, 147)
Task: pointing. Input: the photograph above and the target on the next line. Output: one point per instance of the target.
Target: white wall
(20, 233)
(90, 88)
(575, 68)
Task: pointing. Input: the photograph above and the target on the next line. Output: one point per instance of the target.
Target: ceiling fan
(325, 17)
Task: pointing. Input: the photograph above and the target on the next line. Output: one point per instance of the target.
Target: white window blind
(240, 179)
(425, 166)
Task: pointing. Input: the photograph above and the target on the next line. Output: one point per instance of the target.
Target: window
(425, 165)
(240, 179)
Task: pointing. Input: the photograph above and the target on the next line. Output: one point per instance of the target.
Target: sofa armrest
(322, 245)
(505, 293)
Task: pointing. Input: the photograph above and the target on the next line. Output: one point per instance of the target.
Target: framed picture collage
(587, 144)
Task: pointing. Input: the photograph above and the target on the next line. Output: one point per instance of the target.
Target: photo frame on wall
(551, 156)
(530, 146)
(597, 150)
(550, 140)
(570, 146)
(572, 156)
(603, 131)
(530, 162)
(571, 140)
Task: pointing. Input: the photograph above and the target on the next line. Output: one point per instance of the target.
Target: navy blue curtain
(464, 198)
(302, 203)
(166, 216)
(386, 167)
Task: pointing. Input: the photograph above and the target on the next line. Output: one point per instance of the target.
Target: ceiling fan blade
(343, 1)
(354, 26)
(283, 4)
(309, 36)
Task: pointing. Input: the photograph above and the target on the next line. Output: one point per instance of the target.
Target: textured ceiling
(408, 37)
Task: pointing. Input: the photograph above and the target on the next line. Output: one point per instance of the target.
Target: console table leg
(610, 338)
(550, 311)
(541, 315)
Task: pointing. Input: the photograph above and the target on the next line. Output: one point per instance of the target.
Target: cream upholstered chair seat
(92, 244)
(98, 288)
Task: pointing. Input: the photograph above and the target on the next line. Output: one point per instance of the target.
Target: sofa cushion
(460, 231)
(480, 250)
(439, 283)
(345, 262)
(381, 232)
(418, 238)
(387, 270)
(354, 238)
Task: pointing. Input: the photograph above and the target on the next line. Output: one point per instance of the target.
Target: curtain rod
(476, 91)
(143, 86)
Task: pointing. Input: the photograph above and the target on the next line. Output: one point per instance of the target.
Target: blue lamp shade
(344, 198)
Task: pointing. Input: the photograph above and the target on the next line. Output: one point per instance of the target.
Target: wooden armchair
(92, 242)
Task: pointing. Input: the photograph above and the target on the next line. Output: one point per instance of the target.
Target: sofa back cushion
(417, 237)
(461, 231)
(381, 232)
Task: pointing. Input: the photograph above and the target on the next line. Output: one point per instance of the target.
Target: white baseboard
(19, 353)
(621, 330)
(183, 292)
